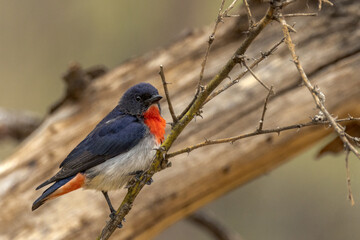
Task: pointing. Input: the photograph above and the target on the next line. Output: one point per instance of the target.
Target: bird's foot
(113, 217)
(149, 182)
(164, 161)
(138, 174)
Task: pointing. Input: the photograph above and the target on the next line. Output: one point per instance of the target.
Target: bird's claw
(113, 217)
(138, 174)
(149, 182)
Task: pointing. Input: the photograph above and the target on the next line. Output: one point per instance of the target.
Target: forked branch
(317, 95)
(195, 107)
(241, 75)
(277, 130)
(205, 93)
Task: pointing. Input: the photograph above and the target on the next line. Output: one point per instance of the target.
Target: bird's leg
(138, 174)
(112, 210)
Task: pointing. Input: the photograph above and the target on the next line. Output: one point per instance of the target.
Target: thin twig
(219, 19)
(250, 17)
(253, 65)
(318, 96)
(261, 122)
(213, 225)
(350, 195)
(356, 140)
(254, 75)
(291, 28)
(232, 15)
(231, 6)
(171, 109)
(325, 1)
(255, 133)
(210, 41)
(300, 15)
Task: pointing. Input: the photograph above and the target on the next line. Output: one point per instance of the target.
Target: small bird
(122, 145)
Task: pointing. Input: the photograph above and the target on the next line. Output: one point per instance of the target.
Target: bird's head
(137, 99)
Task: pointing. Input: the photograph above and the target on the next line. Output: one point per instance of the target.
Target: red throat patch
(155, 123)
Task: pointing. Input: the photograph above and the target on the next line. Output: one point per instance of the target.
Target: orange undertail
(55, 191)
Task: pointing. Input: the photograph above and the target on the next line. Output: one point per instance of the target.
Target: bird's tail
(59, 188)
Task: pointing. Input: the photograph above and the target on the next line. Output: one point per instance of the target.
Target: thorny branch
(197, 104)
(252, 66)
(221, 15)
(210, 42)
(205, 93)
(255, 133)
(318, 96)
(261, 122)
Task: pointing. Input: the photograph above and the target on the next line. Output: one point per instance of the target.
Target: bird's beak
(153, 99)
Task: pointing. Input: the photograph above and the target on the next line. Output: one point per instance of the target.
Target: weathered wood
(330, 51)
(17, 125)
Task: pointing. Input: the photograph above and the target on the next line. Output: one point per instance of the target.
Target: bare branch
(210, 41)
(231, 6)
(255, 133)
(254, 75)
(261, 122)
(213, 225)
(253, 65)
(300, 15)
(250, 17)
(134, 190)
(325, 1)
(171, 109)
(318, 96)
(219, 19)
(350, 195)
(291, 28)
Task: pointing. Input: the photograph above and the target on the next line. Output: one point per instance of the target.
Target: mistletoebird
(122, 145)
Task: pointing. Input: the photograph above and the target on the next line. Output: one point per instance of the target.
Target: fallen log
(329, 49)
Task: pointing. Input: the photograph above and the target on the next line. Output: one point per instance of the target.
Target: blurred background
(303, 199)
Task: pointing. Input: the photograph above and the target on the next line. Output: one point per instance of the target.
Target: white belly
(114, 173)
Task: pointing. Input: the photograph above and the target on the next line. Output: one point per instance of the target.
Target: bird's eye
(138, 98)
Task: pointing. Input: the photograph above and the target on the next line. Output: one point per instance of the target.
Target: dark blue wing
(111, 137)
